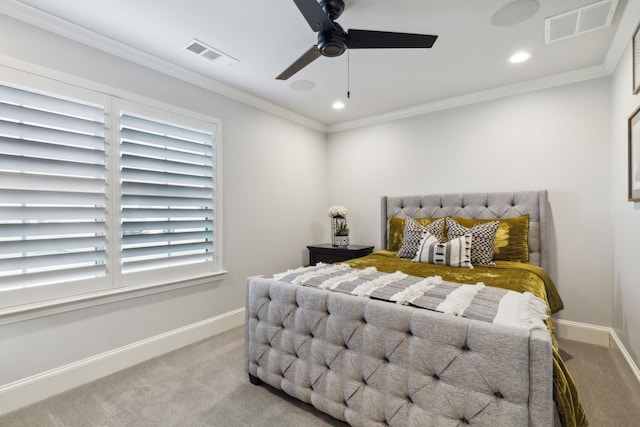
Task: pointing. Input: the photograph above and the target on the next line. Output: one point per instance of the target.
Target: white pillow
(455, 253)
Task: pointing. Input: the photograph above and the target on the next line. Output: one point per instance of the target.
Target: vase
(338, 228)
(341, 241)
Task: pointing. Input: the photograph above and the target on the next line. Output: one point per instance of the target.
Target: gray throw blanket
(479, 302)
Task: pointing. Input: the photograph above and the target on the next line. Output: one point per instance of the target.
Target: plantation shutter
(167, 194)
(52, 190)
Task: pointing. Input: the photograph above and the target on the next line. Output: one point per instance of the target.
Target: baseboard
(631, 368)
(583, 332)
(602, 336)
(33, 389)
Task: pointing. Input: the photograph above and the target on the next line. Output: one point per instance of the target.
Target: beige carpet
(205, 384)
(610, 394)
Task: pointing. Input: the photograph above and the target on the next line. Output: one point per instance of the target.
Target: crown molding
(627, 26)
(33, 16)
(628, 23)
(474, 98)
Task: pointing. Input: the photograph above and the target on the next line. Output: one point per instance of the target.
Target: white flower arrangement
(337, 211)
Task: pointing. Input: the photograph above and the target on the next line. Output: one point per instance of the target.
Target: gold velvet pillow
(396, 231)
(512, 237)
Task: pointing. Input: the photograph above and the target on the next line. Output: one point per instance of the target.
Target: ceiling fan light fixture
(519, 57)
(332, 43)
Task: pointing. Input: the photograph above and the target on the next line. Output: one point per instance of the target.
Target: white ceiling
(469, 57)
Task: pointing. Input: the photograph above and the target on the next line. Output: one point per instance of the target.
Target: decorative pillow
(413, 232)
(483, 238)
(456, 252)
(512, 238)
(396, 231)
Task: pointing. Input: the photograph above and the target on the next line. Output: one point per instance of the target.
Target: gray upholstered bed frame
(477, 205)
(372, 363)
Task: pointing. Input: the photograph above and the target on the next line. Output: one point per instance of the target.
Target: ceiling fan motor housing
(332, 43)
(333, 8)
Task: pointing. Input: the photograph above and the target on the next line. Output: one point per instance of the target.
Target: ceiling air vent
(209, 53)
(587, 18)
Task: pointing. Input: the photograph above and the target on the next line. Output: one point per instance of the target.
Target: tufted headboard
(477, 205)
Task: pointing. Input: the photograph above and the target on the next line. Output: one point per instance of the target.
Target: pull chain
(348, 74)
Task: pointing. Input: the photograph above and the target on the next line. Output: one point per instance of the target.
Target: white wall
(626, 215)
(274, 189)
(279, 178)
(556, 139)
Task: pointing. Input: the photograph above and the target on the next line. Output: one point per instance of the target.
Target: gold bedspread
(515, 276)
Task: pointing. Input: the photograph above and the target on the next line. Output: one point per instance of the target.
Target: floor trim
(598, 335)
(583, 332)
(38, 387)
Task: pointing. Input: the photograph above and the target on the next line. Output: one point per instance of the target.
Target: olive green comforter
(516, 276)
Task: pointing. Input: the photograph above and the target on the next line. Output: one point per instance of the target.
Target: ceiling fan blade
(316, 17)
(364, 39)
(307, 58)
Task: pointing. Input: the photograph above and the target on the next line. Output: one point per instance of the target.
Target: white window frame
(33, 302)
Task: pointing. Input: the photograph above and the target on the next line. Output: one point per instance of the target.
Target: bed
(326, 336)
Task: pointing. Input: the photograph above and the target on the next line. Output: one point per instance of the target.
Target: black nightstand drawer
(327, 253)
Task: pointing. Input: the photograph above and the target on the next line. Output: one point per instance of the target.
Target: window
(86, 209)
(167, 193)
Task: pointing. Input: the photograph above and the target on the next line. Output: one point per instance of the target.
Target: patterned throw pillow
(413, 232)
(455, 252)
(512, 237)
(483, 238)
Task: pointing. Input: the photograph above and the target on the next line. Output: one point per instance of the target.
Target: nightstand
(327, 253)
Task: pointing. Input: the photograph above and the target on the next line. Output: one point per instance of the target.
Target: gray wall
(280, 177)
(625, 215)
(556, 139)
(274, 190)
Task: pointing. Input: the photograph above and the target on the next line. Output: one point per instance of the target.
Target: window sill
(62, 305)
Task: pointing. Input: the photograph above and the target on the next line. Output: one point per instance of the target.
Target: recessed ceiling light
(338, 105)
(518, 57)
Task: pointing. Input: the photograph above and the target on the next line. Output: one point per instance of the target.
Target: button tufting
(464, 420)
(436, 377)
(498, 395)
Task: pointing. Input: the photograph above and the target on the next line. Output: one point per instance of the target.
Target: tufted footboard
(373, 363)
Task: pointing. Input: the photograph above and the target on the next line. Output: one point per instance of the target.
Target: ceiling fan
(334, 41)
